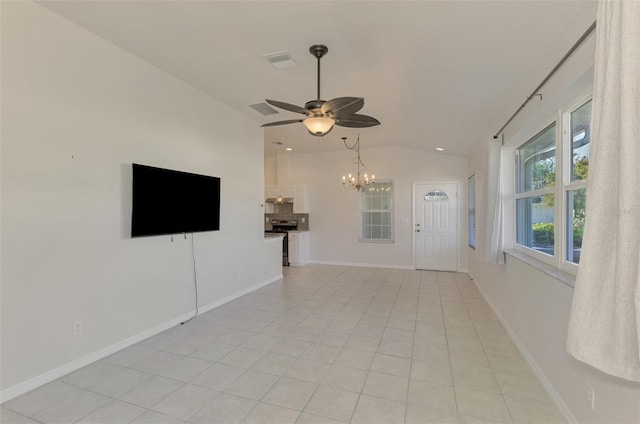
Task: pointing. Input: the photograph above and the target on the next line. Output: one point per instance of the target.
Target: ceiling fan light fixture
(319, 126)
(323, 115)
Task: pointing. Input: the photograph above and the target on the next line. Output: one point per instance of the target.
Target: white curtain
(604, 327)
(495, 254)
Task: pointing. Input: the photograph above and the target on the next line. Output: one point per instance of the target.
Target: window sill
(562, 276)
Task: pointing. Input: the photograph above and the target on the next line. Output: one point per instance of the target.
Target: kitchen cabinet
(299, 194)
(271, 191)
(279, 191)
(300, 199)
(298, 248)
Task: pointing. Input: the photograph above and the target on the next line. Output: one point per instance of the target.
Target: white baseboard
(67, 368)
(362, 264)
(369, 265)
(213, 305)
(49, 376)
(553, 393)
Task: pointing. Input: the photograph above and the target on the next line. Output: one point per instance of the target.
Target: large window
(376, 210)
(551, 180)
(535, 215)
(472, 211)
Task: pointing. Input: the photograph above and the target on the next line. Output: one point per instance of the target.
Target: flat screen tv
(173, 202)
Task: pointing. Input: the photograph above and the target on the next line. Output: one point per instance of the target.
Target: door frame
(413, 218)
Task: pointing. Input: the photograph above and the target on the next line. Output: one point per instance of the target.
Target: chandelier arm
(344, 140)
(360, 160)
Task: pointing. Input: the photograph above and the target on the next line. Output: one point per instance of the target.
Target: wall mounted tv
(173, 202)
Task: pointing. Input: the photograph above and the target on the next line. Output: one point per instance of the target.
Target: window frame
(563, 185)
(362, 211)
(519, 195)
(567, 184)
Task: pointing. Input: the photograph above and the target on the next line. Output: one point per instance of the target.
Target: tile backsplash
(302, 226)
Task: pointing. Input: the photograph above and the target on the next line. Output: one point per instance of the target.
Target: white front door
(436, 226)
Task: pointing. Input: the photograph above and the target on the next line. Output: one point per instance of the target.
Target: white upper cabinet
(287, 192)
(301, 199)
(279, 191)
(299, 194)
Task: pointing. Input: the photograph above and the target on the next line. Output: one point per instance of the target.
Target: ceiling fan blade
(288, 106)
(357, 121)
(341, 106)
(290, 121)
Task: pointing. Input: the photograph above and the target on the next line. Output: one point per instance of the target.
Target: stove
(281, 226)
(284, 226)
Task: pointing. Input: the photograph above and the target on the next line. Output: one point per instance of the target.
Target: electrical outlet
(186, 292)
(266, 219)
(77, 328)
(591, 396)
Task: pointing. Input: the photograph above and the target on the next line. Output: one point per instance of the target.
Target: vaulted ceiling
(435, 73)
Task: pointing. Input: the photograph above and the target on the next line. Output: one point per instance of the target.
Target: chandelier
(358, 180)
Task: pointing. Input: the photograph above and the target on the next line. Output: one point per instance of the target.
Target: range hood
(279, 200)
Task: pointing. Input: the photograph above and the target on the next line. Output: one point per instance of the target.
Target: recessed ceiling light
(288, 149)
(440, 149)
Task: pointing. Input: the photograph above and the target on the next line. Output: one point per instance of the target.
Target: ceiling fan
(323, 115)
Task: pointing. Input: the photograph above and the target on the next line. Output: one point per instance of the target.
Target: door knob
(417, 231)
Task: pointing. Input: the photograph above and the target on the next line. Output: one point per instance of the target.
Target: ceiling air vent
(263, 108)
(280, 60)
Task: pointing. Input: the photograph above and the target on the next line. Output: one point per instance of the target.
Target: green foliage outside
(543, 235)
(580, 172)
(545, 175)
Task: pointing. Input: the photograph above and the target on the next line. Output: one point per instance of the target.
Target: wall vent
(280, 60)
(263, 108)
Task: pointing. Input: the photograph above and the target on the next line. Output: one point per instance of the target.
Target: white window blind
(472, 211)
(376, 210)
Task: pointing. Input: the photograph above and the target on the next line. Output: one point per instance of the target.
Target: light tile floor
(327, 344)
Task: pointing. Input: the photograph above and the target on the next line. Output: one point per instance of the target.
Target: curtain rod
(553, 71)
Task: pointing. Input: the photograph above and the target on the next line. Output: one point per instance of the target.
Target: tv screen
(173, 202)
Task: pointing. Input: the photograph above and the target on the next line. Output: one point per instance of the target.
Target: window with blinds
(472, 211)
(376, 211)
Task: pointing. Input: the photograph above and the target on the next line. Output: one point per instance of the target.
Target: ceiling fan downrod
(318, 51)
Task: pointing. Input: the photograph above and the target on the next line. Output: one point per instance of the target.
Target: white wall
(76, 112)
(334, 216)
(534, 306)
